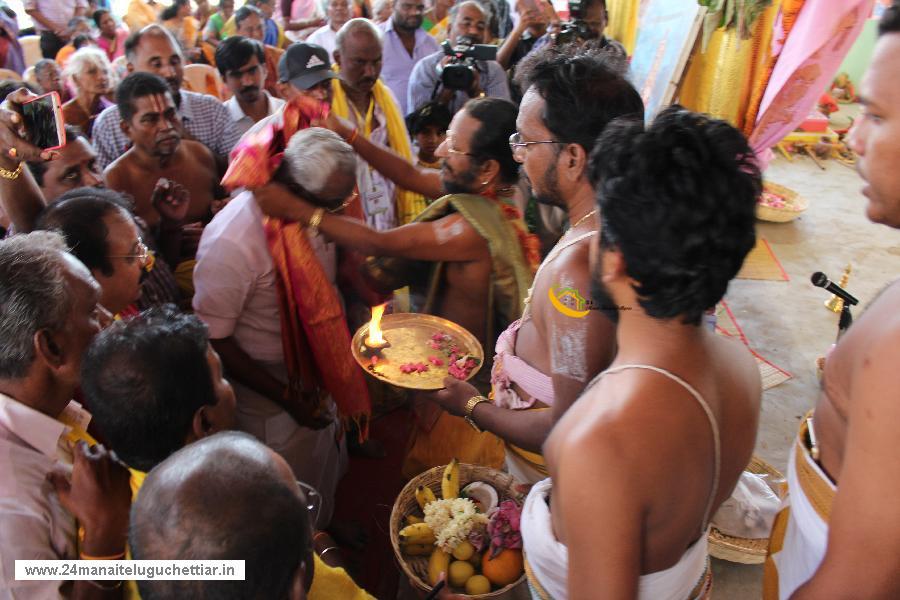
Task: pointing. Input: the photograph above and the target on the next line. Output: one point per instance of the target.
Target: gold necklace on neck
(583, 219)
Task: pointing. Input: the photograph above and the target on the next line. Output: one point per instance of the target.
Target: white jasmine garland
(452, 521)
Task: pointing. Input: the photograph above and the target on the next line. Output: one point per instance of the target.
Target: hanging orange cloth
(315, 336)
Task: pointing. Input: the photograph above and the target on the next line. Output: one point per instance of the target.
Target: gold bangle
(470, 407)
(315, 220)
(326, 550)
(7, 174)
(353, 135)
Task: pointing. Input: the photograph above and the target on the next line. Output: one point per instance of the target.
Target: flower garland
(531, 245)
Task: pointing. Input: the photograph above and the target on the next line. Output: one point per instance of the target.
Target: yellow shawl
(409, 204)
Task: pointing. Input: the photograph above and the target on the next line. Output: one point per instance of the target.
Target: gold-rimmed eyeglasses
(143, 254)
(519, 146)
(448, 144)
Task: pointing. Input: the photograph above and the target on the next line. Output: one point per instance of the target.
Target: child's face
(429, 138)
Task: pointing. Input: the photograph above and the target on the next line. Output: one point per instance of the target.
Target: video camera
(576, 28)
(459, 73)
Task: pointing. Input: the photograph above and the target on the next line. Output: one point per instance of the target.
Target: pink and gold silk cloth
(808, 52)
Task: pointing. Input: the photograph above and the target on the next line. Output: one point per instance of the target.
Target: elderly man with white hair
(237, 295)
(90, 72)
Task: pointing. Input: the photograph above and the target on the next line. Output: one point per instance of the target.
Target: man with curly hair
(642, 460)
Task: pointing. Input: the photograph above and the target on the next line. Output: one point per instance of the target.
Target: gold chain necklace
(584, 218)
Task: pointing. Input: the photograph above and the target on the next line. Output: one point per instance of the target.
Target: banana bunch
(417, 533)
(417, 539)
(450, 481)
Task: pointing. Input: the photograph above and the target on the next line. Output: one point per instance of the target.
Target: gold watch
(470, 406)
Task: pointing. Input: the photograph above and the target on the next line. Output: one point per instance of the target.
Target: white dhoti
(547, 560)
(317, 457)
(800, 532)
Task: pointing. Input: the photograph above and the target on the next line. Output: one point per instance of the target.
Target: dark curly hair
(890, 20)
(145, 378)
(582, 90)
(678, 200)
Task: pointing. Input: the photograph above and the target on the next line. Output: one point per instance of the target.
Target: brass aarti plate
(408, 336)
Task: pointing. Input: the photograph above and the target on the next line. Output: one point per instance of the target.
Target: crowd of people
(180, 280)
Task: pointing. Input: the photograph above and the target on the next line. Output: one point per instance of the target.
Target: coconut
(483, 495)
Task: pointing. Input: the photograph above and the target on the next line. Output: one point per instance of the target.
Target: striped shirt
(204, 118)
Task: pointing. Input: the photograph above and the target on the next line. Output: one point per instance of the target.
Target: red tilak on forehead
(159, 103)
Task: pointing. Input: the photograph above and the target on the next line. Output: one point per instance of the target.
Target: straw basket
(749, 551)
(416, 567)
(794, 205)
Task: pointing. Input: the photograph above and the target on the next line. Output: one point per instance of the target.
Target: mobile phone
(44, 122)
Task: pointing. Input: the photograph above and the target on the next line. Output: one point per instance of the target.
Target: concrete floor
(786, 322)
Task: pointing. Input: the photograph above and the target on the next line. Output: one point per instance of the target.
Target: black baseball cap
(304, 65)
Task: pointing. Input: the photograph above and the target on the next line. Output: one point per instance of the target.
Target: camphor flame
(375, 339)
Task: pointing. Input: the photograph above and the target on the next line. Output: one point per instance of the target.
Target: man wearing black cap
(241, 62)
(304, 70)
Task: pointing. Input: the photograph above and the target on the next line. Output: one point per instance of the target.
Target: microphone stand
(845, 321)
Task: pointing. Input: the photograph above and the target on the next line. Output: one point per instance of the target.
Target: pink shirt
(33, 524)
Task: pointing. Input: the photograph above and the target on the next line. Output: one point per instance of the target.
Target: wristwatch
(470, 406)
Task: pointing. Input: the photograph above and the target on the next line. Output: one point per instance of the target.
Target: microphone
(819, 279)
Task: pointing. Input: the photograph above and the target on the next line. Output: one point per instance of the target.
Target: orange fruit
(503, 569)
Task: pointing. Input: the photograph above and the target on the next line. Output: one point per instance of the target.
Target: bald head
(226, 497)
(362, 29)
(468, 19)
(358, 54)
(154, 50)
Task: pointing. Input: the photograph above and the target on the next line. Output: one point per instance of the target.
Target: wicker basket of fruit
(462, 520)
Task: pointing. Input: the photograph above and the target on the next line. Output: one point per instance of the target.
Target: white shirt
(377, 193)
(241, 121)
(33, 524)
(235, 282)
(326, 37)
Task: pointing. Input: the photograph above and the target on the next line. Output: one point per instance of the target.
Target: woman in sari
(178, 20)
(112, 37)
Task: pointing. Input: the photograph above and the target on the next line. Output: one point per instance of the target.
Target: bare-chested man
(149, 121)
(657, 441)
(840, 537)
(472, 235)
(545, 359)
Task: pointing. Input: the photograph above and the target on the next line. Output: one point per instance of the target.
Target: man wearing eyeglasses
(569, 101)
(477, 258)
